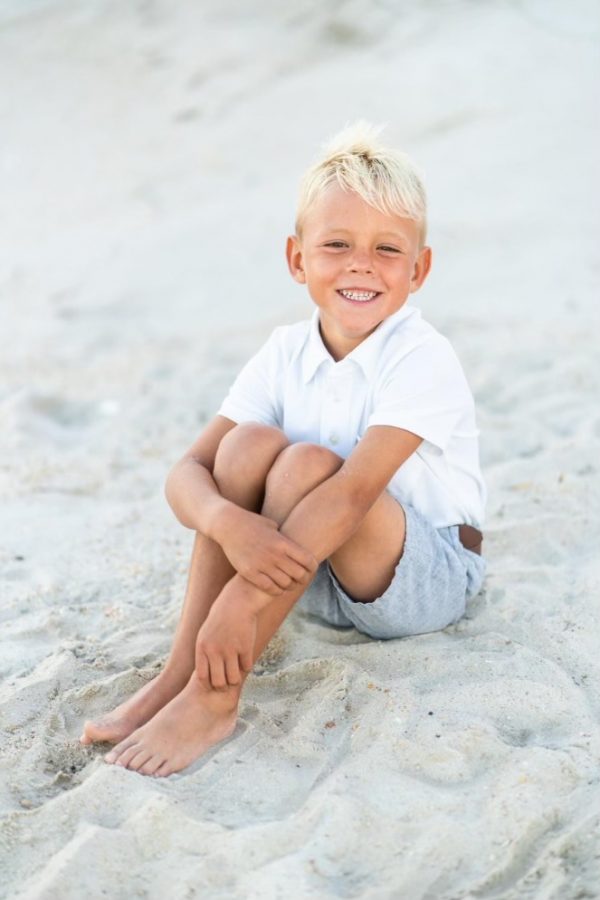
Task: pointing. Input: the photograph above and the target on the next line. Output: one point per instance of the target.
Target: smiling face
(358, 263)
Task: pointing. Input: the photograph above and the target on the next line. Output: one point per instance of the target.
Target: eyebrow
(382, 236)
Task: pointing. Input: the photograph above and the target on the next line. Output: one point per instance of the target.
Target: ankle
(176, 672)
(225, 700)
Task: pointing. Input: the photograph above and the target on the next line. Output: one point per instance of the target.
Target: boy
(345, 454)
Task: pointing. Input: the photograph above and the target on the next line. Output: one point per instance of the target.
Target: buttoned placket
(337, 386)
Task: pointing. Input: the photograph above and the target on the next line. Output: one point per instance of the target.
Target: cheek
(323, 270)
(403, 274)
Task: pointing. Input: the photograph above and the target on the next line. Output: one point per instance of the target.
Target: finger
(281, 578)
(266, 584)
(246, 661)
(203, 669)
(301, 556)
(261, 581)
(232, 670)
(296, 571)
(270, 522)
(217, 672)
(258, 579)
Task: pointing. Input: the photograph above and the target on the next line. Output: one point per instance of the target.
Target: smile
(359, 296)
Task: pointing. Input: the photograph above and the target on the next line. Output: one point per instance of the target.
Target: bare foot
(139, 709)
(181, 732)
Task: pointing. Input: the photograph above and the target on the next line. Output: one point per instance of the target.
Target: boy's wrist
(221, 520)
(255, 600)
(244, 595)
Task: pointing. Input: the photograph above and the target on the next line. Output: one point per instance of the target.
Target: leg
(195, 720)
(366, 563)
(245, 456)
(426, 591)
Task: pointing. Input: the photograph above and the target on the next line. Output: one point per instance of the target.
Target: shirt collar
(315, 351)
(366, 355)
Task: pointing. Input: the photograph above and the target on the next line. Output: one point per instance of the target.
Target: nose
(361, 261)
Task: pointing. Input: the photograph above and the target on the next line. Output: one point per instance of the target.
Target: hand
(225, 643)
(262, 555)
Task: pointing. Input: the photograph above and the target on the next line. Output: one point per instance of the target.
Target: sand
(149, 158)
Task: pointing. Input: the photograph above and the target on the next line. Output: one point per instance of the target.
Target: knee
(247, 447)
(301, 464)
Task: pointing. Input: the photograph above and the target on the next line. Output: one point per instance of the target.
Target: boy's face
(358, 263)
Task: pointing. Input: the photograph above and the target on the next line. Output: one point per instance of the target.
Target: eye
(387, 249)
(337, 245)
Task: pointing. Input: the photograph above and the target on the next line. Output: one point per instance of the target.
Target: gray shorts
(430, 588)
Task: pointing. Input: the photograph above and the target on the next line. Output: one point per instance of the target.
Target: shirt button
(334, 438)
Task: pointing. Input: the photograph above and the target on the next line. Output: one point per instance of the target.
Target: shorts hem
(432, 583)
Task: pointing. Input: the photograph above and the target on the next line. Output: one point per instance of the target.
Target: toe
(127, 755)
(114, 754)
(151, 765)
(163, 770)
(91, 731)
(137, 760)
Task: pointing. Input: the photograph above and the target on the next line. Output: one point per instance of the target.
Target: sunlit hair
(384, 177)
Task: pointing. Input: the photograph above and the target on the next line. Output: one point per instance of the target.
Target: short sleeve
(426, 393)
(254, 395)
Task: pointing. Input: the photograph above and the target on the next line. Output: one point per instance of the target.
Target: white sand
(149, 155)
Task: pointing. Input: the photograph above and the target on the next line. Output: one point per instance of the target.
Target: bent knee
(248, 444)
(310, 462)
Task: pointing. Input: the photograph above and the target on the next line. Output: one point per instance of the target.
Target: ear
(421, 269)
(293, 254)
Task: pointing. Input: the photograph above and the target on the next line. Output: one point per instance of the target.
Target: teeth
(358, 295)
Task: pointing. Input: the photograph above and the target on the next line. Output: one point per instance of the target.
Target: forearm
(194, 497)
(321, 522)
(325, 519)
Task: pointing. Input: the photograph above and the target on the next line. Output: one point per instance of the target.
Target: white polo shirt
(404, 374)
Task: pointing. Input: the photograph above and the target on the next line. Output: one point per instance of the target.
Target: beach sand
(150, 155)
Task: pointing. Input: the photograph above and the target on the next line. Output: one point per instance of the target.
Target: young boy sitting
(345, 455)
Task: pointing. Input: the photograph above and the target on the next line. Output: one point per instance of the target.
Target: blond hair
(384, 177)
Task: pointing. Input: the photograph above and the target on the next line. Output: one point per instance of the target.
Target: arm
(252, 543)
(331, 513)
(321, 522)
(191, 490)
